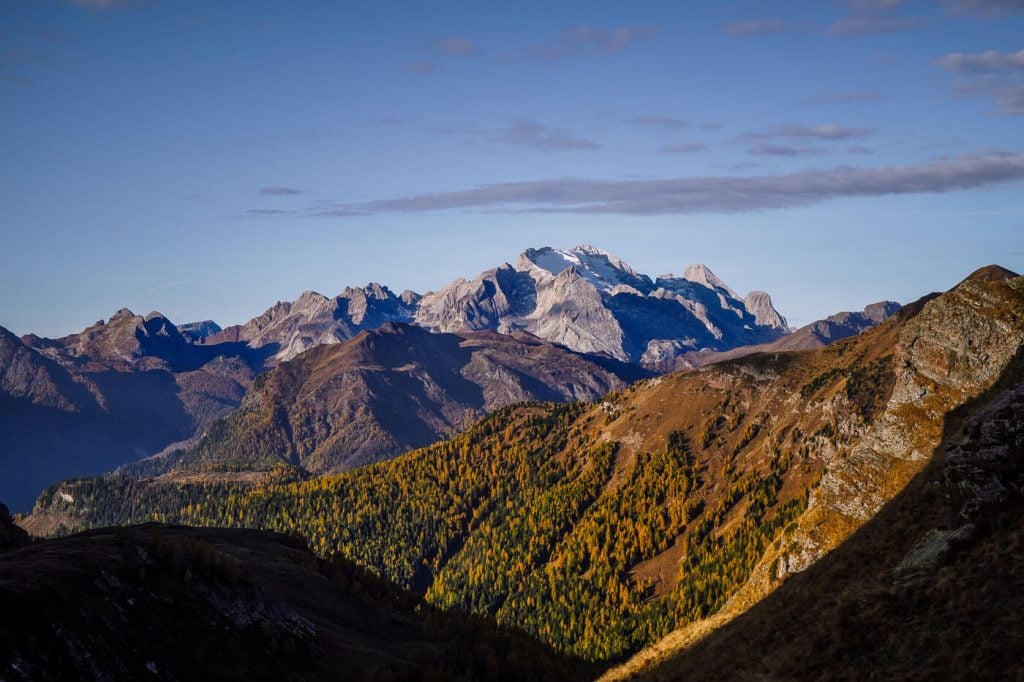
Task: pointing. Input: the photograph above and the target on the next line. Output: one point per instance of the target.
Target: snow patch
(596, 266)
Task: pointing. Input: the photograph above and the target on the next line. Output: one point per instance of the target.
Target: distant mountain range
(583, 298)
(120, 390)
(561, 324)
(388, 391)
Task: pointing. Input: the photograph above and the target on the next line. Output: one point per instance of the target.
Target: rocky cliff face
(194, 331)
(593, 302)
(289, 328)
(949, 353)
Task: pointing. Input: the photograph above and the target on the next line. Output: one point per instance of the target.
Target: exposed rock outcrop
(289, 328)
(593, 302)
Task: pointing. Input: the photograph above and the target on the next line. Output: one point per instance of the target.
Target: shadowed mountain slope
(120, 390)
(12, 536)
(185, 604)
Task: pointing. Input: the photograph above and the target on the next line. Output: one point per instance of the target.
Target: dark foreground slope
(931, 588)
(165, 602)
(11, 535)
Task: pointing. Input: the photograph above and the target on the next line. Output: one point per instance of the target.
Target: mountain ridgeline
(679, 502)
(134, 386)
(120, 390)
(583, 298)
(385, 392)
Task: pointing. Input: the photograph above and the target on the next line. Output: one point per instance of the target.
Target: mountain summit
(594, 302)
(584, 298)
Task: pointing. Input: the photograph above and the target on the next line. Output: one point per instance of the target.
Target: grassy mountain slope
(388, 391)
(930, 588)
(598, 527)
(601, 528)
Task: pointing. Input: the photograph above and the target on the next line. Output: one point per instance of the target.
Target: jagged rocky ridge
(289, 328)
(594, 302)
(814, 335)
(583, 298)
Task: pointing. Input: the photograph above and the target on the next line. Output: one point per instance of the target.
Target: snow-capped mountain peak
(583, 297)
(602, 269)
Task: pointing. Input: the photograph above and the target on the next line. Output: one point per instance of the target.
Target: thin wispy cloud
(1007, 97)
(268, 213)
(580, 40)
(173, 285)
(984, 62)
(534, 135)
(859, 26)
(756, 27)
(989, 9)
(800, 131)
(664, 122)
(768, 149)
(457, 46)
(996, 75)
(849, 97)
(875, 6)
(722, 194)
(683, 148)
(279, 191)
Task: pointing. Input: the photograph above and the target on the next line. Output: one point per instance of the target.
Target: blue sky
(207, 159)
